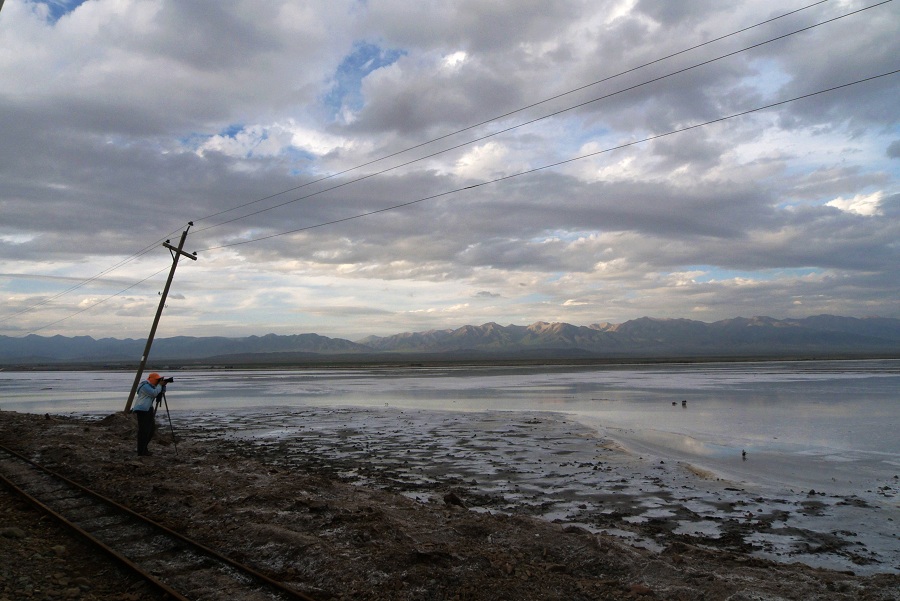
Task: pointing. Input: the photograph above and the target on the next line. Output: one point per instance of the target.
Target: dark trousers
(146, 425)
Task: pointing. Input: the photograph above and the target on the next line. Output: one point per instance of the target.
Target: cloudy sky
(381, 166)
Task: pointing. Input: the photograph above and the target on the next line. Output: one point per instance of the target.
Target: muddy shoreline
(335, 511)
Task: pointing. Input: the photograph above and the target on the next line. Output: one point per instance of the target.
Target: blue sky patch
(362, 60)
(763, 275)
(232, 130)
(59, 8)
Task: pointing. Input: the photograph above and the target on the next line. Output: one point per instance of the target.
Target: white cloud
(273, 140)
(16, 238)
(868, 205)
(455, 60)
(484, 162)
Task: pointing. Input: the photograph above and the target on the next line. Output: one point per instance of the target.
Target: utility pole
(176, 253)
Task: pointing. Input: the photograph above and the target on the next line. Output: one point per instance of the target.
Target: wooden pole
(176, 253)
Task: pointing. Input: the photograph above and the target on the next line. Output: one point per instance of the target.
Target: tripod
(161, 397)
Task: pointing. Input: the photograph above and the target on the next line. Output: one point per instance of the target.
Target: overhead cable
(83, 283)
(532, 121)
(493, 181)
(513, 112)
(470, 127)
(147, 249)
(99, 302)
(552, 165)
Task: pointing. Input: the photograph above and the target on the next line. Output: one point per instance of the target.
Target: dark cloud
(675, 14)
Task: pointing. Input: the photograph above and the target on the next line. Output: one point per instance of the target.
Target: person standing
(143, 408)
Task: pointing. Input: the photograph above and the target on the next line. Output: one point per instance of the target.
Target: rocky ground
(334, 540)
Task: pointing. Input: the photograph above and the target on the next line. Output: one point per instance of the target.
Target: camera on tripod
(165, 381)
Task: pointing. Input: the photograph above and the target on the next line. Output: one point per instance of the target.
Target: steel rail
(143, 519)
(163, 587)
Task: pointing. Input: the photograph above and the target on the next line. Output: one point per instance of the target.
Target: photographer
(150, 389)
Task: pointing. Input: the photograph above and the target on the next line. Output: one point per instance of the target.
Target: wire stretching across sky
(502, 116)
(152, 246)
(529, 122)
(497, 180)
(83, 283)
(556, 164)
(99, 302)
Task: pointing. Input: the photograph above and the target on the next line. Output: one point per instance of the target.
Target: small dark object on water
(684, 403)
(744, 455)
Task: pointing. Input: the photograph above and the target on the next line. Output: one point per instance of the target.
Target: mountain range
(650, 338)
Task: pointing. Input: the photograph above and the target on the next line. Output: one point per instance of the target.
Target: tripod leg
(170, 422)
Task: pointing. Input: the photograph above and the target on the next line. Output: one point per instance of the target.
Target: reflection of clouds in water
(677, 442)
(555, 387)
(692, 445)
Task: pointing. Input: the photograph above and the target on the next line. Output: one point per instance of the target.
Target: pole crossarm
(191, 256)
(176, 253)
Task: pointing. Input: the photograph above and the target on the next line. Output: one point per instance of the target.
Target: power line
(83, 283)
(333, 175)
(496, 180)
(508, 114)
(144, 251)
(100, 302)
(530, 122)
(552, 165)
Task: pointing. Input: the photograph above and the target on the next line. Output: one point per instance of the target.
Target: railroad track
(180, 567)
